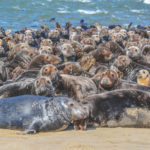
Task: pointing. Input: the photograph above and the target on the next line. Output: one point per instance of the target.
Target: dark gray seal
(120, 108)
(39, 113)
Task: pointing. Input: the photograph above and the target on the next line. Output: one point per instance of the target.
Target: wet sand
(92, 139)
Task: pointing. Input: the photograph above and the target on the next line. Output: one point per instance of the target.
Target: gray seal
(39, 113)
(119, 108)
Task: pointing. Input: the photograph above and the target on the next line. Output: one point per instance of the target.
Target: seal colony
(85, 75)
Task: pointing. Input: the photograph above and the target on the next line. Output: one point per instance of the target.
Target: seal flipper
(33, 128)
(27, 132)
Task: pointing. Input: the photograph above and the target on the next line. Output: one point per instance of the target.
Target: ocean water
(16, 14)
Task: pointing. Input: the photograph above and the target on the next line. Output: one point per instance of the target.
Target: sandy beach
(92, 139)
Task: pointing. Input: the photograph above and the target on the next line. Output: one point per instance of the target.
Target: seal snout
(105, 81)
(129, 53)
(42, 90)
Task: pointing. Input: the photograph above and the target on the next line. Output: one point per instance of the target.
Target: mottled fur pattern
(119, 108)
(74, 86)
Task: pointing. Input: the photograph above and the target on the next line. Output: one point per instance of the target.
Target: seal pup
(3, 72)
(44, 59)
(22, 59)
(109, 80)
(2, 48)
(68, 52)
(48, 70)
(77, 87)
(71, 68)
(115, 48)
(129, 68)
(46, 50)
(87, 61)
(143, 77)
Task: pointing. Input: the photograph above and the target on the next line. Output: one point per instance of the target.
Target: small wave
(147, 1)
(16, 8)
(136, 11)
(38, 3)
(48, 0)
(83, 1)
(63, 10)
(91, 12)
(115, 18)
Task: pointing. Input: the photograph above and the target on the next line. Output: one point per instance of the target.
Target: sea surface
(16, 14)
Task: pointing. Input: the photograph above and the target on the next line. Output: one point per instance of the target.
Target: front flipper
(26, 132)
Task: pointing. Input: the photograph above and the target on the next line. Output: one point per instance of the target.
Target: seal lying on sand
(39, 113)
(120, 108)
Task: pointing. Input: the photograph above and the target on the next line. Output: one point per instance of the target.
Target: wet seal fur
(38, 113)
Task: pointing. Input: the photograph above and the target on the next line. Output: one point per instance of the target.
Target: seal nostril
(105, 81)
(42, 89)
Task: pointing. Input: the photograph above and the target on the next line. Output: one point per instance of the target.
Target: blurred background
(16, 14)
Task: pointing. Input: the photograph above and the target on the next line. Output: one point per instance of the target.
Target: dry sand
(94, 139)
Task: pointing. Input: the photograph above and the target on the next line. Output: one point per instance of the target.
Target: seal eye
(48, 81)
(31, 54)
(70, 68)
(112, 75)
(144, 72)
(37, 82)
(103, 74)
(46, 70)
(71, 104)
(47, 57)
